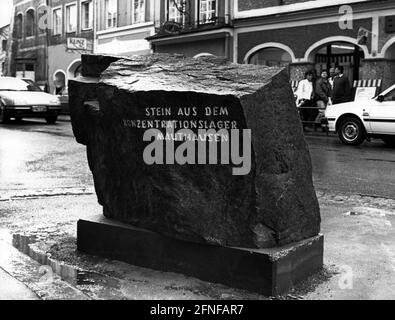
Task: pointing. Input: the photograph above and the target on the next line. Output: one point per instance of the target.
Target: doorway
(343, 54)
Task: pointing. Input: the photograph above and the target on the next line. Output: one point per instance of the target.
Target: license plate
(39, 109)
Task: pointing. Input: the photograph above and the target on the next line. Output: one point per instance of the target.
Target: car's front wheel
(51, 119)
(351, 131)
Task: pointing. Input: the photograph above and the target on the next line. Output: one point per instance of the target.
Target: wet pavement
(36, 157)
(365, 170)
(12, 289)
(40, 158)
(46, 186)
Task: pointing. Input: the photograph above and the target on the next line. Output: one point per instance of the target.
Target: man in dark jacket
(341, 87)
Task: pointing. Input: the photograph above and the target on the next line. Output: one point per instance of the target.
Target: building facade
(297, 34)
(48, 38)
(27, 56)
(194, 27)
(124, 25)
(71, 34)
(318, 34)
(4, 35)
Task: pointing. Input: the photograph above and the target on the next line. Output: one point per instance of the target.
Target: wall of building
(61, 54)
(124, 17)
(192, 11)
(61, 61)
(80, 33)
(193, 48)
(298, 39)
(128, 36)
(301, 28)
(47, 51)
(4, 35)
(281, 6)
(127, 41)
(27, 51)
(257, 4)
(194, 37)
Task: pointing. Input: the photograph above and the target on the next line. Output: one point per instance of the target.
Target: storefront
(315, 39)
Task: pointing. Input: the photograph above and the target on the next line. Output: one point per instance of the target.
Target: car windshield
(32, 85)
(10, 84)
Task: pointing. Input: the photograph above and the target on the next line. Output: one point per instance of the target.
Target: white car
(20, 99)
(360, 120)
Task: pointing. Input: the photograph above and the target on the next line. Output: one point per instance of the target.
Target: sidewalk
(359, 255)
(12, 289)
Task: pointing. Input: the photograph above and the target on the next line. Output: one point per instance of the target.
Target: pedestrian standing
(305, 98)
(323, 93)
(332, 75)
(341, 87)
(323, 90)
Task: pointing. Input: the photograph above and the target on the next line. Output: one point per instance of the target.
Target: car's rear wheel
(4, 118)
(51, 119)
(390, 140)
(352, 131)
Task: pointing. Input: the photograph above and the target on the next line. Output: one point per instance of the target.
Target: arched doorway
(388, 53)
(339, 53)
(203, 54)
(59, 80)
(389, 50)
(271, 57)
(74, 70)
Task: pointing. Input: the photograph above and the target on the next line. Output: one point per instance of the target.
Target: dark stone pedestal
(266, 271)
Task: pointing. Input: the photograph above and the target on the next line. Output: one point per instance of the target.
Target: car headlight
(54, 101)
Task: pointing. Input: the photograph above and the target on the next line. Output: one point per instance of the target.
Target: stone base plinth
(266, 271)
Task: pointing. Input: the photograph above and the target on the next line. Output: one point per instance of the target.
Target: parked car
(63, 95)
(33, 85)
(20, 99)
(360, 120)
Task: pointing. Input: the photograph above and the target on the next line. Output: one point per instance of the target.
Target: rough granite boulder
(111, 107)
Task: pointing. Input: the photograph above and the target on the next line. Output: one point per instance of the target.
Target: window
(18, 26)
(176, 9)
(87, 15)
(71, 18)
(29, 67)
(30, 23)
(57, 21)
(138, 11)
(111, 13)
(207, 11)
(26, 71)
